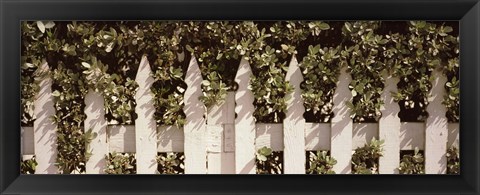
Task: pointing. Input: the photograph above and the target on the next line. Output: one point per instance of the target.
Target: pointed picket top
(436, 94)
(243, 95)
(143, 75)
(389, 127)
(44, 128)
(295, 107)
(97, 124)
(436, 128)
(194, 129)
(244, 122)
(294, 123)
(194, 108)
(145, 125)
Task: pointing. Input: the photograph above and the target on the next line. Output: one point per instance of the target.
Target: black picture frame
(465, 11)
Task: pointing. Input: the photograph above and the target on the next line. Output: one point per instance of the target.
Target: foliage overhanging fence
(225, 141)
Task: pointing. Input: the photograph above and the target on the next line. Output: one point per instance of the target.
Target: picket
(244, 122)
(294, 123)
(225, 141)
(96, 122)
(341, 136)
(389, 128)
(453, 135)
(194, 129)
(145, 125)
(436, 130)
(229, 126)
(219, 161)
(44, 128)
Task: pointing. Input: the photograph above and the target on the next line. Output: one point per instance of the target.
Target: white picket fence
(221, 143)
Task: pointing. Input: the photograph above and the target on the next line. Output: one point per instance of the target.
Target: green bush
(214, 44)
(275, 45)
(171, 163)
(269, 87)
(426, 47)
(364, 54)
(412, 164)
(164, 48)
(28, 166)
(320, 162)
(452, 96)
(453, 160)
(269, 161)
(320, 65)
(35, 46)
(121, 163)
(69, 117)
(365, 159)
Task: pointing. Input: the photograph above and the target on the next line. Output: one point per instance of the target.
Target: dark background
(13, 11)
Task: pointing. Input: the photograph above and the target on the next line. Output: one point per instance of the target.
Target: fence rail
(223, 143)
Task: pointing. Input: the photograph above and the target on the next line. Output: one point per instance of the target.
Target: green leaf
(56, 93)
(219, 56)
(190, 49)
(354, 93)
(447, 29)
(86, 65)
(261, 158)
(41, 26)
(206, 82)
(324, 26)
(49, 24)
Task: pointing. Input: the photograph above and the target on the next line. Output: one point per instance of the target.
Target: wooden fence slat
(194, 129)
(341, 148)
(217, 114)
(121, 138)
(28, 147)
(27, 143)
(214, 148)
(95, 121)
(145, 125)
(453, 135)
(389, 128)
(22, 141)
(436, 130)
(229, 126)
(317, 136)
(44, 128)
(170, 139)
(244, 122)
(230, 107)
(228, 155)
(219, 161)
(412, 134)
(214, 138)
(294, 123)
(362, 133)
(269, 135)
